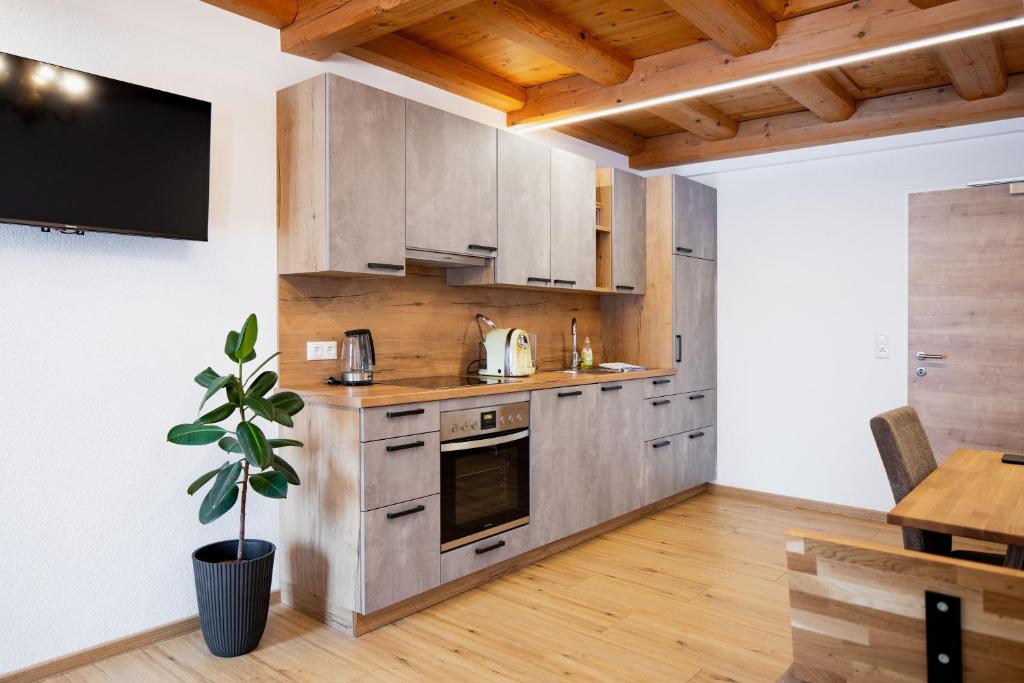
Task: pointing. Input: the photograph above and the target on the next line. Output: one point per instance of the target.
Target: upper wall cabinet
(695, 218)
(627, 231)
(341, 178)
(573, 240)
(451, 195)
(524, 212)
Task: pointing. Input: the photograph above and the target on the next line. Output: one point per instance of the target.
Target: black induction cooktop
(449, 381)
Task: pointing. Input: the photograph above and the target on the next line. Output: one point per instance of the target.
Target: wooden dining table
(972, 494)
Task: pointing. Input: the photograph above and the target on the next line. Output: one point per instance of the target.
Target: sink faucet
(575, 354)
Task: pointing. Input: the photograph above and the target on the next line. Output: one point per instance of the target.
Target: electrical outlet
(321, 350)
(882, 346)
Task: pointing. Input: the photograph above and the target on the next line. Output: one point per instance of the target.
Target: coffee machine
(357, 358)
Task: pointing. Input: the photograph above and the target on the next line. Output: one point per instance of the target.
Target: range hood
(441, 259)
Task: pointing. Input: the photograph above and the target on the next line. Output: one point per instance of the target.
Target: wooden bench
(870, 612)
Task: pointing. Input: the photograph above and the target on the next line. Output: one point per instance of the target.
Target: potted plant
(233, 577)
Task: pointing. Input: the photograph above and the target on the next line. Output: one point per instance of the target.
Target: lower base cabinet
(656, 471)
(399, 552)
(695, 458)
(480, 555)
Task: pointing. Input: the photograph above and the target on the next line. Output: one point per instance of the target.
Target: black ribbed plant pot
(234, 597)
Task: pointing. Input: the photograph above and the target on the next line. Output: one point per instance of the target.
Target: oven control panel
(460, 424)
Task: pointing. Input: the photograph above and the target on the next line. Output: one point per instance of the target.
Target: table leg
(1014, 556)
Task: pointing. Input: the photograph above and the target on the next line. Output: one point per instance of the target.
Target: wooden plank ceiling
(543, 60)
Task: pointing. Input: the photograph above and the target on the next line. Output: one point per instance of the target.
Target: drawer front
(400, 552)
(400, 469)
(656, 475)
(476, 556)
(696, 458)
(401, 420)
(659, 386)
(662, 416)
(484, 401)
(698, 409)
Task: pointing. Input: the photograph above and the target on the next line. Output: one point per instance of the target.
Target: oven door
(485, 487)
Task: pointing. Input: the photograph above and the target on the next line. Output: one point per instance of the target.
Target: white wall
(812, 263)
(100, 335)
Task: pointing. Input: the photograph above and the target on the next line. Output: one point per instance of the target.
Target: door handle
(487, 549)
(403, 513)
(679, 348)
(482, 247)
(921, 355)
(406, 413)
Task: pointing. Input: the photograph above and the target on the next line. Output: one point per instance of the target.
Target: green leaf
(270, 484)
(234, 389)
(222, 496)
(195, 434)
(215, 386)
(287, 470)
(260, 406)
(198, 483)
(281, 443)
(288, 401)
(247, 339)
(231, 346)
(283, 418)
(229, 444)
(217, 414)
(260, 366)
(262, 384)
(206, 378)
(254, 444)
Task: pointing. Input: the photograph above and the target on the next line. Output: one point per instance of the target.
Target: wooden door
(618, 449)
(693, 323)
(695, 218)
(451, 181)
(628, 226)
(967, 305)
(573, 221)
(524, 212)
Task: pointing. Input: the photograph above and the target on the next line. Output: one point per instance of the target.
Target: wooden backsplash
(421, 326)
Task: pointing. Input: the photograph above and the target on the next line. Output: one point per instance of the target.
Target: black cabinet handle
(384, 266)
(481, 247)
(566, 394)
(404, 446)
(545, 280)
(403, 513)
(662, 444)
(614, 388)
(696, 435)
(406, 413)
(624, 288)
(663, 402)
(661, 381)
(565, 282)
(679, 348)
(684, 250)
(487, 549)
(694, 397)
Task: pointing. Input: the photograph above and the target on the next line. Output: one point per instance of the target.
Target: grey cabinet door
(562, 485)
(366, 179)
(657, 470)
(400, 552)
(451, 182)
(693, 323)
(524, 212)
(616, 463)
(573, 221)
(400, 469)
(695, 458)
(695, 218)
(629, 222)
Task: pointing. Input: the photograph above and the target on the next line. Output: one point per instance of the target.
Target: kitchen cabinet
(386, 422)
(573, 221)
(341, 179)
(694, 458)
(656, 471)
(524, 212)
(695, 218)
(628, 225)
(694, 354)
(476, 556)
(394, 470)
(399, 552)
(618, 455)
(451, 183)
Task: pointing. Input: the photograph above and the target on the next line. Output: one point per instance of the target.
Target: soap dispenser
(588, 354)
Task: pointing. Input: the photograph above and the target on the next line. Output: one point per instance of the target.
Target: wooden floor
(696, 592)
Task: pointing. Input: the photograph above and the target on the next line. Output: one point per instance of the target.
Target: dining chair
(908, 458)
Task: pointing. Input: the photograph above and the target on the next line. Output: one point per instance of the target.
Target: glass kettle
(357, 358)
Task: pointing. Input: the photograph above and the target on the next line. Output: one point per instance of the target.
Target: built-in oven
(485, 472)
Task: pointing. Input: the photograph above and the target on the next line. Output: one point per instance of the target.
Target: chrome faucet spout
(575, 353)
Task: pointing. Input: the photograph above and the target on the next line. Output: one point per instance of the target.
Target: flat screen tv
(90, 153)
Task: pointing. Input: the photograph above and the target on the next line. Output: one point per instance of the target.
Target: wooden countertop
(384, 394)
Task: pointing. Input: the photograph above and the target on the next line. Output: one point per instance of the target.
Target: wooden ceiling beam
(698, 117)
(276, 13)
(411, 59)
(740, 26)
(904, 113)
(820, 93)
(841, 31)
(527, 23)
(341, 25)
(976, 67)
(605, 134)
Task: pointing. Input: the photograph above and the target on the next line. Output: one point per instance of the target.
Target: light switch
(882, 346)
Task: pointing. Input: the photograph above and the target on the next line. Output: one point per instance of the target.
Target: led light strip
(776, 75)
